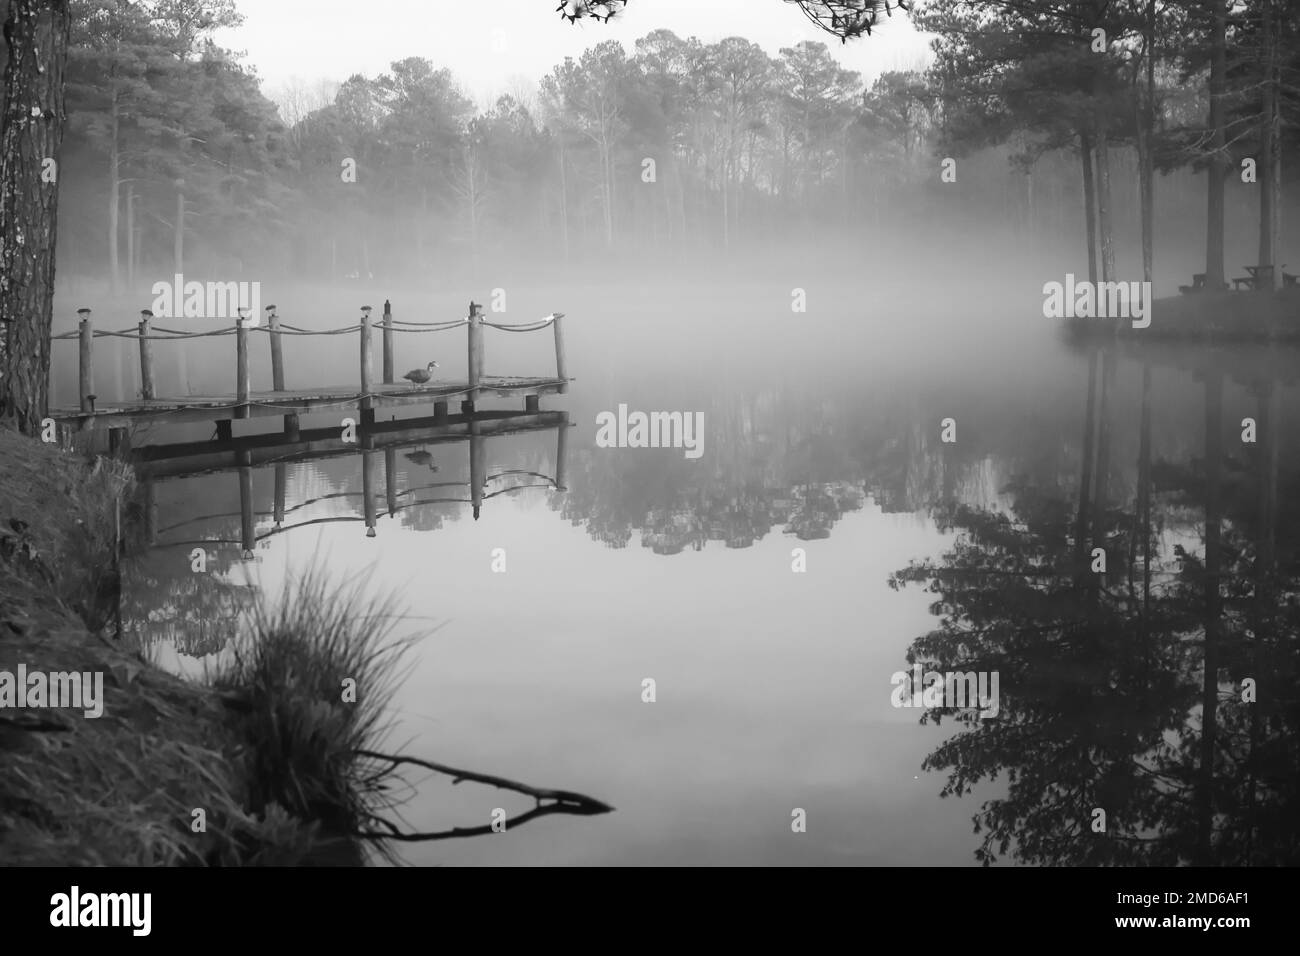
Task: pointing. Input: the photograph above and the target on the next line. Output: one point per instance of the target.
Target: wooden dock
(306, 401)
(187, 459)
(364, 398)
(240, 457)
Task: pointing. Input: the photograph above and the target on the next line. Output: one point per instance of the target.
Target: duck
(421, 457)
(418, 376)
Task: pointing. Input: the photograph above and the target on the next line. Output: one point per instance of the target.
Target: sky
(494, 46)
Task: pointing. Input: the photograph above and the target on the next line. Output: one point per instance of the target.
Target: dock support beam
(280, 484)
(150, 511)
(241, 367)
(367, 404)
(388, 342)
(474, 363)
(561, 456)
(291, 427)
(277, 352)
(247, 526)
(146, 357)
(561, 369)
(477, 479)
(368, 490)
(440, 412)
(86, 368)
(224, 430)
(390, 481)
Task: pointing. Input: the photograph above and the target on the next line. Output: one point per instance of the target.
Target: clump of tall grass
(309, 681)
(72, 513)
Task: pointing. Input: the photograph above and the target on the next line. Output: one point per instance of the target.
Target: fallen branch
(560, 801)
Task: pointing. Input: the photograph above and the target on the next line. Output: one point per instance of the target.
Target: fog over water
(903, 460)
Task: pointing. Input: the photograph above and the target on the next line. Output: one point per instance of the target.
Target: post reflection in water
(1122, 556)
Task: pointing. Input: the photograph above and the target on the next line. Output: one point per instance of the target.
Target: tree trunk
(1146, 125)
(1101, 482)
(1144, 499)
(726, 180)
(130, 235)
(1085, 473)
(1103, 206)
(1213, 612)
(31, 131)
(1029, 206)
(1216, 171)
(1270, 175)
(114, 198)
(178, 253)
(670, 174)
(564, 206)
(1089, 203)
(178, 233)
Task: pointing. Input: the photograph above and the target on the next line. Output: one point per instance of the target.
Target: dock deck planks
(304, 401)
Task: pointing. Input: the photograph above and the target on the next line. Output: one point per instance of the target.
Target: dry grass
(311, 679)
(121, 789)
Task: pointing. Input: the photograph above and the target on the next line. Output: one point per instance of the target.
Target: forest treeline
(175, 155)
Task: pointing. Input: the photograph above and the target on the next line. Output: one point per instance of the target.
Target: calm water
(773, 687)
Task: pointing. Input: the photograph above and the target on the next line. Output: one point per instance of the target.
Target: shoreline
(1208, 318)
(161, 776)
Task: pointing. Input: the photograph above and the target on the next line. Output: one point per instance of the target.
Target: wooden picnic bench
(1198, 284)
(1261, 277)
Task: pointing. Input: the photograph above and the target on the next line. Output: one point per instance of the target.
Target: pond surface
(1096, 523)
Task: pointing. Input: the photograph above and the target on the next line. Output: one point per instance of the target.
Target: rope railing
(284, 328)
(350, 519)
(145, 334)
(292, 509)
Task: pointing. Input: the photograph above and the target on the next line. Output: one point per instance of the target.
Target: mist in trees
(176, 155)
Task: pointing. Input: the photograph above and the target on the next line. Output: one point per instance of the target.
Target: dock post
(119, 372)
(146, 357)
(150, 512)
(291, 428)
(561, 370)
(280, 483)
(118, 442)
(474, 364)
(86, 377)
(247, 526)
(241, 365)
(367, 404)
(440, 413)
(277, 353)
(476, 477)
(561, 455)
(532, 403)
(368, 490)
(388, 342)
(390, 480)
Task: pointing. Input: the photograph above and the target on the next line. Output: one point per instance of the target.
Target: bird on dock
(418, 376)
(421, 457)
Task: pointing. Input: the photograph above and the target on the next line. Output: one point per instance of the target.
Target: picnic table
(1261, 277)
(1198, 284)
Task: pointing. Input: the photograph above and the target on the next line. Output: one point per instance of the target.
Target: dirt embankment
(121, 788)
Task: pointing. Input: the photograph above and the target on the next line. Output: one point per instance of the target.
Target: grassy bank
(266, 750)
(1208, 317)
